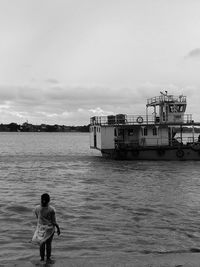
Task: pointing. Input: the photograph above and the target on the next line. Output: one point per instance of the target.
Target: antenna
(163, 93)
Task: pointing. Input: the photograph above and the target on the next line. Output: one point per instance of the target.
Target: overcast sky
(63, 61)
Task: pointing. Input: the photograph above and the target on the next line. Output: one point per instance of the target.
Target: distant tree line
(27, 127)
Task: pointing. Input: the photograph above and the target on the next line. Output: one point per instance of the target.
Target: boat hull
(167, 153)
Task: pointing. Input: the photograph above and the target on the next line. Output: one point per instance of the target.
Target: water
(104, 207)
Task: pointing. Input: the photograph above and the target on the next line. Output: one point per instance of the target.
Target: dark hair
(45, 198)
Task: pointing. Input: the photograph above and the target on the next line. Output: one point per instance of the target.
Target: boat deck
(142, 120)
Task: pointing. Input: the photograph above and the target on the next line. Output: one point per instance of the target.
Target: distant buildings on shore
(27, 127)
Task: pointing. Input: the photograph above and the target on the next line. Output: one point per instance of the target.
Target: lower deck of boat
(154, 153)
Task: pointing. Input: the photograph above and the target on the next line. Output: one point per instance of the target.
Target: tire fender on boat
(180, 153)
(196, 146)
(139, 119)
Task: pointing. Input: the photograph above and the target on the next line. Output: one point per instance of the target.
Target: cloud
(100, 112)
(54, 103)
(52, 81)
(195, 53)
(68, 105)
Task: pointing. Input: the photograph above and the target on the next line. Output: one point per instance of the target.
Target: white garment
(45, 224)
(42, 233)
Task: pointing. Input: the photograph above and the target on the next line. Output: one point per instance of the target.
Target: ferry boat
(158, 136)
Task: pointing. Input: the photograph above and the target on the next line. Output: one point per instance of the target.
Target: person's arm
(36, 212)
(58, 228)
(55, 223)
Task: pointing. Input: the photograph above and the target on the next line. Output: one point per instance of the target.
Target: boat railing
(187, 139)
(122, 119)
(120, 144)
(141, 143)
(175, 142)
(192, 139)
(166, 98)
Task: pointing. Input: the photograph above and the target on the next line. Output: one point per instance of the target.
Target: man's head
(45, 198)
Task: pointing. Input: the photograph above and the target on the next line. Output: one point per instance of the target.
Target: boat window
(176, 108)
(115, 132)
(155, 131)
(182, 108)
(145, 131)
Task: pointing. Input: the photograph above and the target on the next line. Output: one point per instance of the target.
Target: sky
(64, 61)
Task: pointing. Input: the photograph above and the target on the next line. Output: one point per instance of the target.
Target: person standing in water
(44, 233)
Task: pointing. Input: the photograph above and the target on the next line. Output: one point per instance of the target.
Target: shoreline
(153, 260)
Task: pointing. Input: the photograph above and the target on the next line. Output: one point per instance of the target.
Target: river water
(103, 207)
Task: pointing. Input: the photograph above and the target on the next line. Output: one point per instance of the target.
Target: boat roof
(165, 98)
